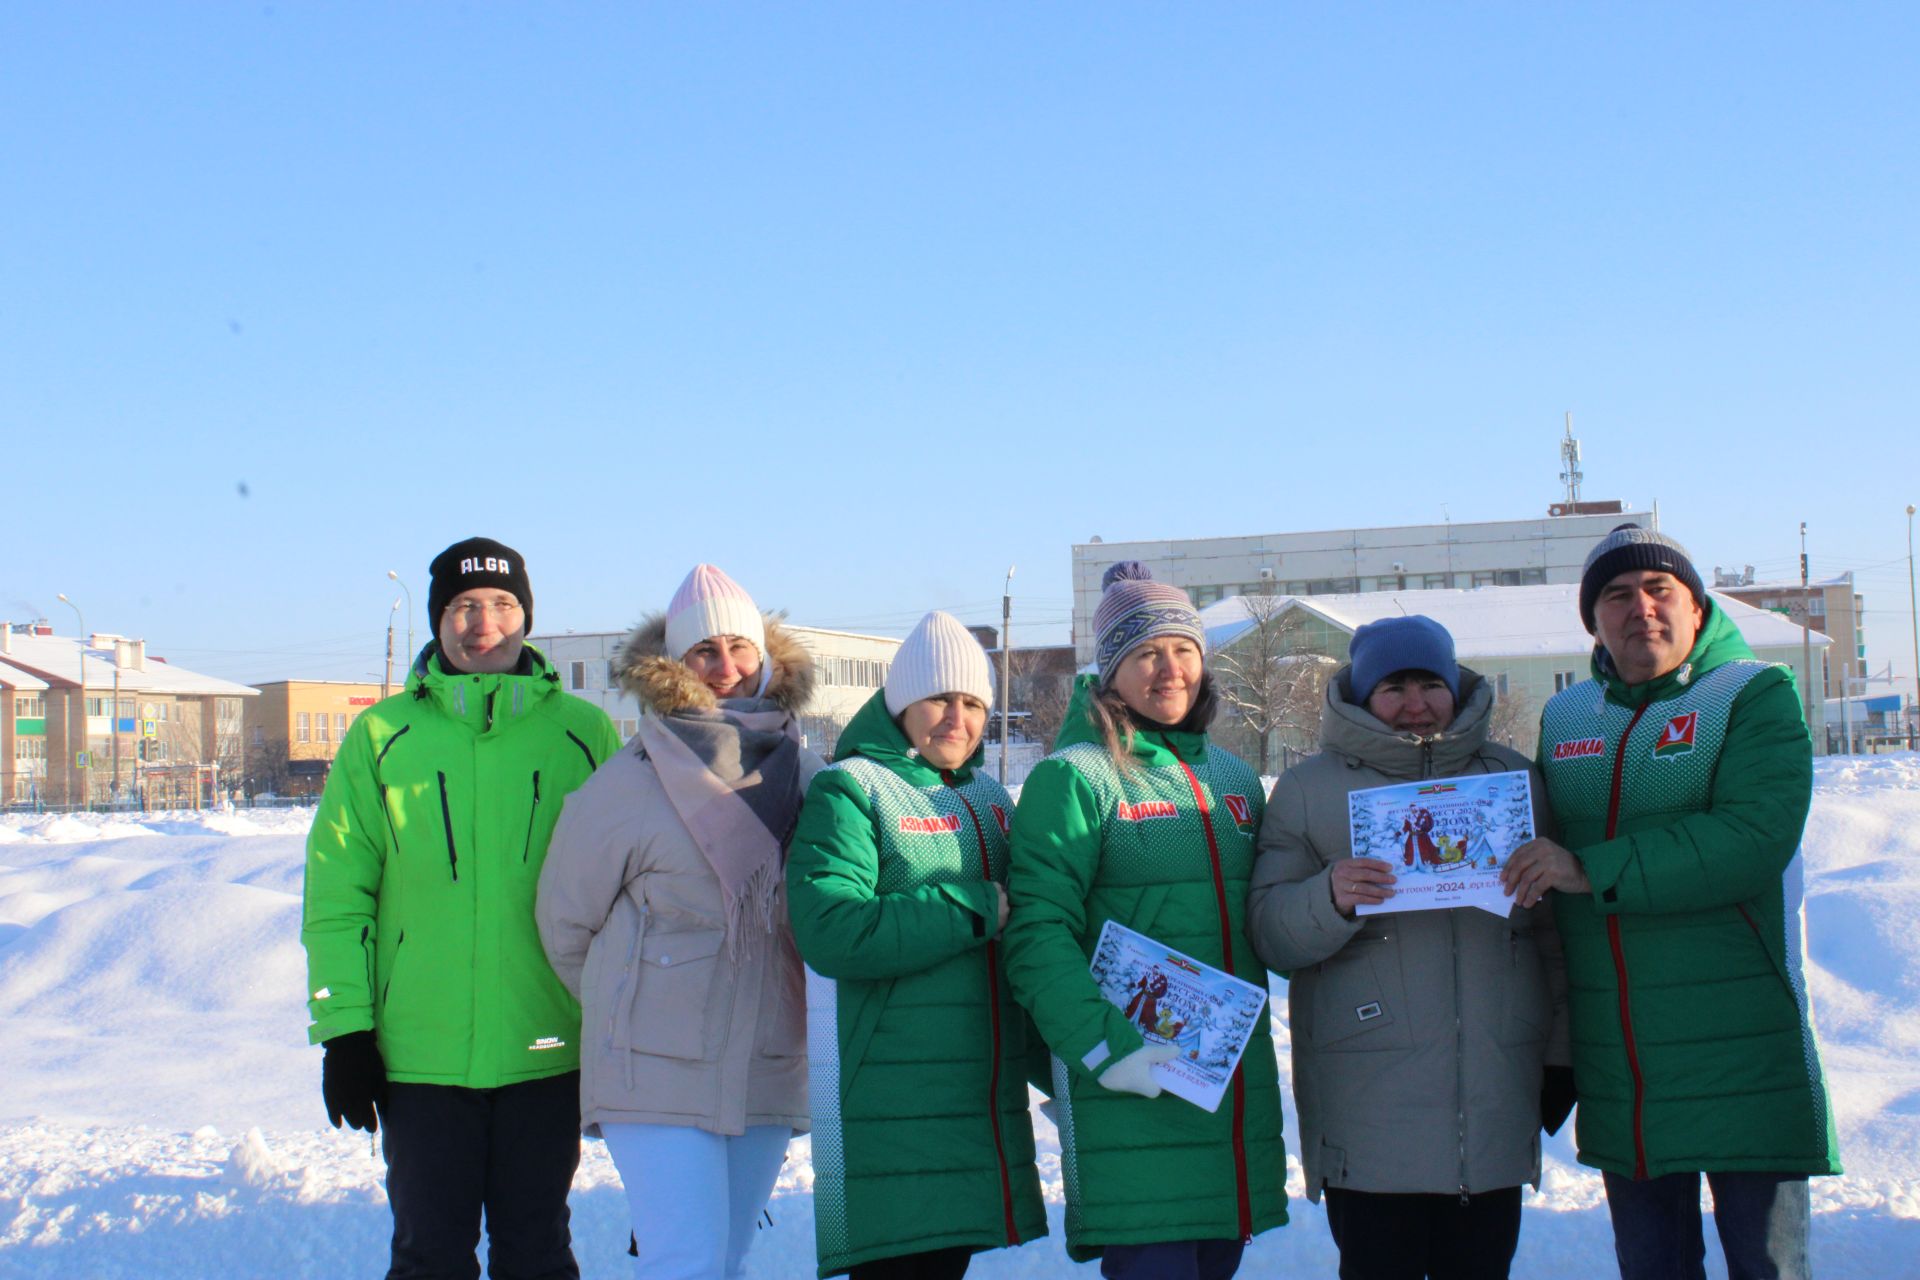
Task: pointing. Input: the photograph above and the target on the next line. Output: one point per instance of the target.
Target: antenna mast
(1571, 475)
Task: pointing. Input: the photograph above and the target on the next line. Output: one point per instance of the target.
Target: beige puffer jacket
(1418, 1037)
(675, 1028)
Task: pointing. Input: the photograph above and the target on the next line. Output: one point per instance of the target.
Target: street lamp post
(1914, 613)
(386, 685)
(394, 574)
(1006, 669)
(82, 760)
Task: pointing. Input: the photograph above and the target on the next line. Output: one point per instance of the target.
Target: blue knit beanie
(1135, 609)
(1414, 643)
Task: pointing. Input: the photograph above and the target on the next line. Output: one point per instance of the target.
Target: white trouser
(694, 1195)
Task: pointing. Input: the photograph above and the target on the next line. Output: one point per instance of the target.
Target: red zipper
(1620, 963)
(993, 1004)
(1226, 947)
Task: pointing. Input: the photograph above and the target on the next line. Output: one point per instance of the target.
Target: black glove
(1556, 1098)
(353, 1080)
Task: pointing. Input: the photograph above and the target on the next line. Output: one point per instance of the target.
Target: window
(259, 736)
(29, 706)
(1435, 581)
(1204, 596)
(1392, 582)
(300, 727)
(320, 733)
(340, 726)
(1333, 586)
(1565, 680)
(29, 748)
(1483, 577)
(98, 706)
(125, 709)
(576, 675)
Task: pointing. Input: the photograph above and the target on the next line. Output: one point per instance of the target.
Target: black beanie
(477, 562)
(1627, 548)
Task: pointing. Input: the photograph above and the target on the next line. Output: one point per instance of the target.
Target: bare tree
(1514, 723)
(1270, 680)
(1042, 686)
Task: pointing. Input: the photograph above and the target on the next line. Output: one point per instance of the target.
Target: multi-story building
(1527, 641)
(295, 728)
(119, 726)
(23, 736)
(1507, 553)
(847, 666)
(1829, 606)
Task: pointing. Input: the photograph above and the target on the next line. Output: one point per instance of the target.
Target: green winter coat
(1684, 798)
(421, 870)
(921, 1134)
(1143, 1170)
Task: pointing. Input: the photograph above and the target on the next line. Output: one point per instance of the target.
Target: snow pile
(160, 1112)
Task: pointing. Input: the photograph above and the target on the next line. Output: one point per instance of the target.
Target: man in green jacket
(427, 985)
(1680, 776)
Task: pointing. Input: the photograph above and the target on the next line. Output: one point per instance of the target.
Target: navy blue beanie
(1414, 643)
(1629, 548)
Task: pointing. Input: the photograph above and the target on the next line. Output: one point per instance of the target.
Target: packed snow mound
(160, 1112)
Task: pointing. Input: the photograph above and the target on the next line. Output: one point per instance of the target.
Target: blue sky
(866, 302)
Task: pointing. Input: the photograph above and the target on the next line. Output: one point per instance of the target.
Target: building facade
(848, 668)
(1829, 606)
(117, 726)
(294, 730)
(1507, 553)
(1528, 642)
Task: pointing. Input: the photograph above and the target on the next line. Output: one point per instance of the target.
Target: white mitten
(1134, 1073)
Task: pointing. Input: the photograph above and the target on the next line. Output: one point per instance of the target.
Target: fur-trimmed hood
(665, 685)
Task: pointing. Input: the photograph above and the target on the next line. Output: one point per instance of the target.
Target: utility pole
(1006, 669)
(1914, 613)
(1806, 628)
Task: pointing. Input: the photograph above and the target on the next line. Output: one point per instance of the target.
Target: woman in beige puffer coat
(662, 907)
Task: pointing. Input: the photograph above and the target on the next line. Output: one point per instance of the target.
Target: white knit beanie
(941, 656)
(709, 604)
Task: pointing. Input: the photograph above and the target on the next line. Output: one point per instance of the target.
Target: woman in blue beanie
(1418, 1038)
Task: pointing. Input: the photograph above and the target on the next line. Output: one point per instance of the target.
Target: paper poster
(1174, 999)
(1445, 838)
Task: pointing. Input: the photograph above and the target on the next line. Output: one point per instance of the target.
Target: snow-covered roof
(1489, 622)
(1789, 584)
(12, 677)
(55, 659)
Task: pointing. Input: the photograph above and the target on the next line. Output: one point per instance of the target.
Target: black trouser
(1391, 1236)
(935, 1264)
(453, 1152)
(1172, 1260)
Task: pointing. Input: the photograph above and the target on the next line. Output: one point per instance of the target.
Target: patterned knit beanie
(1135, 609)
(709, 604)
(1630, 547)
(472, 563)
(941, 656)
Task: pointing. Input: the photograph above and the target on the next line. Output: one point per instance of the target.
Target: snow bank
(160, 1111)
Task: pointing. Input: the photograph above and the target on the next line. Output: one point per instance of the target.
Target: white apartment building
(1505, 553)
(848, 667)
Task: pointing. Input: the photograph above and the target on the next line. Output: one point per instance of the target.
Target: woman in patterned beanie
(1138, 818)
(922, 1145)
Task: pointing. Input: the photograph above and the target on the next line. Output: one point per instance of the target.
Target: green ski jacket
(421, 870)
(1166, 849)
(1684, 798)
(921, 1133)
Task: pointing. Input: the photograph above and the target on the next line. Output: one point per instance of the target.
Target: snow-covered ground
(160, 1112)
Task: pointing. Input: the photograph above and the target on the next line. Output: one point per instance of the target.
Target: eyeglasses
(471, 611)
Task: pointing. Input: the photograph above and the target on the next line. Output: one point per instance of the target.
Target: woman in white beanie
(922, 1151)
(662, 908)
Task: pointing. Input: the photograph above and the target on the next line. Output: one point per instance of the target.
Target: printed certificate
(1174, 999)
(1446, 838)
